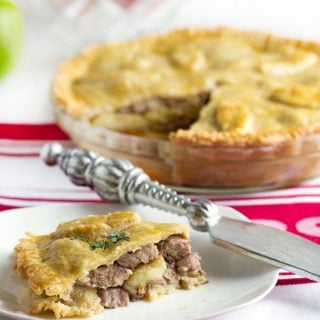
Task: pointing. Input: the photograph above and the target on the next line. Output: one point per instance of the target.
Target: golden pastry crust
(118, 55)
(242, 115)
(53, 263)
(106, 82)
(83, 302)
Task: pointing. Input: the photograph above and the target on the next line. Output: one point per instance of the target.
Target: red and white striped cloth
(26, 181)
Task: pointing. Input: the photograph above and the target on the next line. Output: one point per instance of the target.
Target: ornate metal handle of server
(118, 180)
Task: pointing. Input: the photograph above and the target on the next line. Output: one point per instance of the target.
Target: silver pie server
(118, 180)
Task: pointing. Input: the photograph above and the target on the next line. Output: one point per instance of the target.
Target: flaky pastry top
(53, 263)
(262, 89)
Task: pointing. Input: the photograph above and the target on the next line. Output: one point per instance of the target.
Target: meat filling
(143, 255)
(115, 274)
(180, 103)
(174, 248)
(107, 276)
(167, 114)
(113, 297)
(190, 264)
(177, 255)
(177, 252)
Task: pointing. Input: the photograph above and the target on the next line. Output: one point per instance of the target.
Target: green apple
(11, 34)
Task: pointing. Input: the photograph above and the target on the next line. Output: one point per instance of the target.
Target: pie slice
(105, 261)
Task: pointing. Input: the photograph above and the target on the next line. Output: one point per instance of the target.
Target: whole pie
(105, 261)
(243, 106)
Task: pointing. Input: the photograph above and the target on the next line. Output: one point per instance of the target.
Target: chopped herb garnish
(117, 237)
(105, 241)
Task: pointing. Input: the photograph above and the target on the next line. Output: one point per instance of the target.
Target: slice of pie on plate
(105, 261)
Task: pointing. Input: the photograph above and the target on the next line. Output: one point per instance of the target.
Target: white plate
(234, 280)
